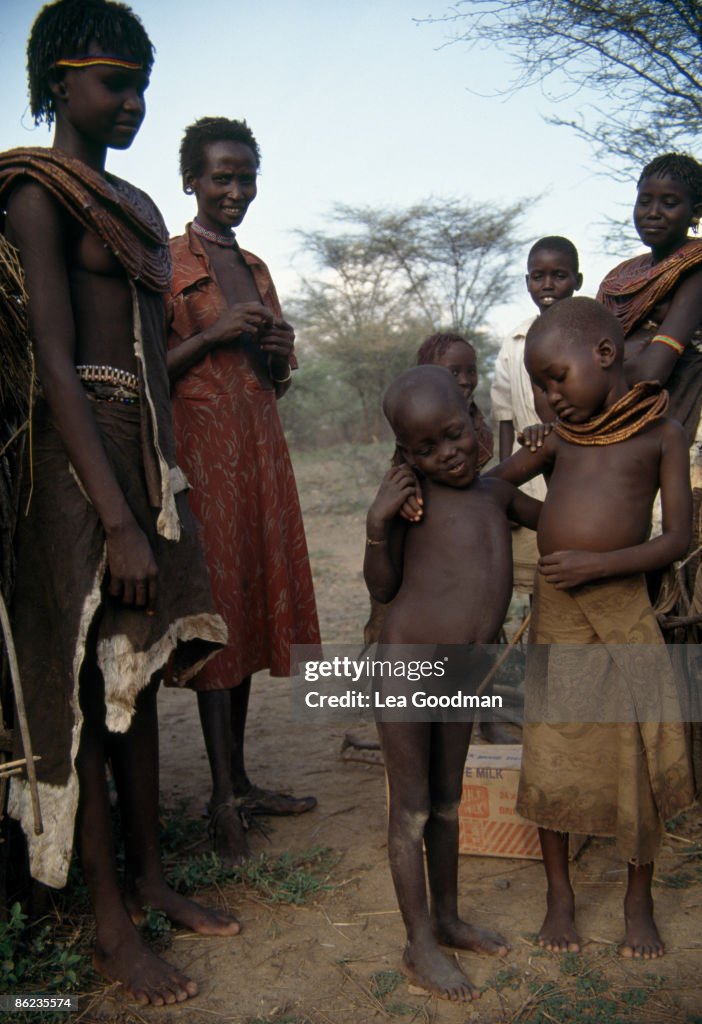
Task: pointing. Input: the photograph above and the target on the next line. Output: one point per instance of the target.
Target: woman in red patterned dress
(230, 359)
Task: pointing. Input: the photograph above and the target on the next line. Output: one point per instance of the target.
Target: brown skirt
(626, 772)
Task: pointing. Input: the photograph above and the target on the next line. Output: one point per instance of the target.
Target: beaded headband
(89, 62)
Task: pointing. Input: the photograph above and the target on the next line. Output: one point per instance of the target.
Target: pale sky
(351, 102)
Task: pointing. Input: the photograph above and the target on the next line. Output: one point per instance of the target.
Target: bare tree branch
(644, 57)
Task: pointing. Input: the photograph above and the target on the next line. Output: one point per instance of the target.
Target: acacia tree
(387, 278)
(643, 57)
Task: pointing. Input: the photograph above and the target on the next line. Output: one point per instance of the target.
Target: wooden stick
(21, 717)
(503, 657)
(14, 764)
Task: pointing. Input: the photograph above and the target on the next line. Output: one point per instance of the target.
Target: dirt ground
(334, 960)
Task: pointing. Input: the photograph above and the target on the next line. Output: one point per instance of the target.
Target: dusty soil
(321, 962)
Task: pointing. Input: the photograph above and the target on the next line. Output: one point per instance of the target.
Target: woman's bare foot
(641, 939)
(226, 831)
(145, 977)
(426, 966)
(558, 934)
(182, 912)
(462, 935)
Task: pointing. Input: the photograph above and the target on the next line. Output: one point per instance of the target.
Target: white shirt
(512, 396)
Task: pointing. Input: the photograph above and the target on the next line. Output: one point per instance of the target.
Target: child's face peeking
(663, 213)
(437, 438)
(102, 104)
(551, 277)
(571, 375)
(459, 359)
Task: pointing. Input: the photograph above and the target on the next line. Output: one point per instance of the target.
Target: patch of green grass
(675, 823)
(292, 878)
(400, 1009)
(157, 928)
(36, 957)
(582, 995)
(682, 880)
(507, 977)
(285, 1018)
(382, 983)
(178, 828)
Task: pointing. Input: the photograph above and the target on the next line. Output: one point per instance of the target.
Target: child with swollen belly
(610, 451)
(449, 578)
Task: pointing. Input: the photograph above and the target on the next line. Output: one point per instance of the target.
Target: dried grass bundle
(17, 376)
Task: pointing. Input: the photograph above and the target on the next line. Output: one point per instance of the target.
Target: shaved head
(578, 321)
(420, 389)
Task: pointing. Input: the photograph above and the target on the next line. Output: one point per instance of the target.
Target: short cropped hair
(678, 166)
(581, 321)
(207, 130)
(66, 29)
(435, 347)
(419, 382)
(556, 243)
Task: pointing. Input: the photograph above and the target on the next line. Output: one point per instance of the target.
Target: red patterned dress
(230, 444)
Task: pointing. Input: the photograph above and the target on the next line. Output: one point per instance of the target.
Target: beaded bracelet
(665, 339)
(374, 543)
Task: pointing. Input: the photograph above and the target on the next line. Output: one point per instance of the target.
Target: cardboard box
(488, 823)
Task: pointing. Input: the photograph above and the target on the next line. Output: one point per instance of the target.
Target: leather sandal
(269, 801)
(217, 816)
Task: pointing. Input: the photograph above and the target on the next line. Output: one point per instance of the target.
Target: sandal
(221, 816)
(269, 801)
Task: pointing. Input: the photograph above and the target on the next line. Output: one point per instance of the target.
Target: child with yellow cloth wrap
(584, 769)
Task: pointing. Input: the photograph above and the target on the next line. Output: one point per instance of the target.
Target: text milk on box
(487, 820)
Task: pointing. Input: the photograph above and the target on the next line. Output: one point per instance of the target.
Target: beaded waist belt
(108, 384)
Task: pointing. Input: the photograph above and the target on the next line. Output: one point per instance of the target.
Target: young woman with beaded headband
(230, 358)
(62, 36)
(111, 589)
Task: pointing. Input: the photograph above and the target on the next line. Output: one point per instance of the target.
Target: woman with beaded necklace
(230, 358)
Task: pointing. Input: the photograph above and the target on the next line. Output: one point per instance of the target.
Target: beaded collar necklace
(228, 241)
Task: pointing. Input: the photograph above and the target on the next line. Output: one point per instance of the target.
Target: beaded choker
(228, 241)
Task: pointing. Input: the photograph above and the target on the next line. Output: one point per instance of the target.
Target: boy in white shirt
(553, 274)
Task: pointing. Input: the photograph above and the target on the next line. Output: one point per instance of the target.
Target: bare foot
(182, 912)
(146, 978)
(462, 935)
(641, 939)
(558, 934)
(227, 834)
(427, 967)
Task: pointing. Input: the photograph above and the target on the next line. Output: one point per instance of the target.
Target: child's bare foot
(182, 912)
(146, 978)
(426, 966)
(641, 939)
(558, 934)
(462, 935)
(227, 834)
